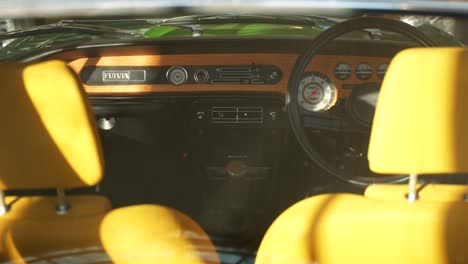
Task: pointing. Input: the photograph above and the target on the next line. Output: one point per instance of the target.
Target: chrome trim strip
(91, 8)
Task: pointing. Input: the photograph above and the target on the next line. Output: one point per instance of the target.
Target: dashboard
(248, 66)
(236, 72)
(207, 104)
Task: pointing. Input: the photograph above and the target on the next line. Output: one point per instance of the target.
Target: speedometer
(316, 92)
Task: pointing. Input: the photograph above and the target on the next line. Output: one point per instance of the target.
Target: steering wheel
(294, 107)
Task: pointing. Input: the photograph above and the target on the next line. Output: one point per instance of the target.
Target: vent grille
(226, 81)
(237, 115)
(236, 69)
(236, 75)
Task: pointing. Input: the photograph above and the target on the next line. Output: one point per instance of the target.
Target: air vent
(227, 81)
(237, 115)
(236, 75)
(235, 69)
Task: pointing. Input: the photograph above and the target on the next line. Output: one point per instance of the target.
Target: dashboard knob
(177, 75)
(200, 115)
(273, 116)
(106, 123)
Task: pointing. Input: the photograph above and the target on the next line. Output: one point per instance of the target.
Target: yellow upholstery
(420, 123)
(429, 192)
(346, 228)
(155, 234)
(48, 137)
(32, 231)
(420, 127)
(49, 140)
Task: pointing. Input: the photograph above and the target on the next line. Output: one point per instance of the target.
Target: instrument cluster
(319, 91)
(362, 71)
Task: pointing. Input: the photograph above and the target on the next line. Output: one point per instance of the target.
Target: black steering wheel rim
(319, 42)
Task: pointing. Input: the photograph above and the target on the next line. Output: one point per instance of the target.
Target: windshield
(207, 124)
(64, 33)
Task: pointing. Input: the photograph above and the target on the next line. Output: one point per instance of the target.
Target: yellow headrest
(421, 121)
(48, 137)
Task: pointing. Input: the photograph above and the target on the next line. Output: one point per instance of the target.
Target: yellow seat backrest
(48, 136)
(49, 140)
(420, 127)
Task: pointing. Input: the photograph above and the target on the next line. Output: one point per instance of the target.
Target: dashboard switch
(273, 116)
(201, 115)
(274, 75)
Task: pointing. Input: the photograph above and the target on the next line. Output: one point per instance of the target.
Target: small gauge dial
(316, 92)
(381, 70)
(343, 71)
(177, 75)
(364, 71)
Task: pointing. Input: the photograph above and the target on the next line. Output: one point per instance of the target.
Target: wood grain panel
(284, 61)
(324, 64)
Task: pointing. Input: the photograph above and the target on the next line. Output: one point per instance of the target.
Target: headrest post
(62, 207)
(413, 193)
(3, 205)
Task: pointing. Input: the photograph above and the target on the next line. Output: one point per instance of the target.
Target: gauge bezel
(379, 73)
(338, 75)
(360, 75)
(172, 69)
(330, 93)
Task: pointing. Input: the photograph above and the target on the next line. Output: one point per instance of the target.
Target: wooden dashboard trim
(324, 64)
(284, 61)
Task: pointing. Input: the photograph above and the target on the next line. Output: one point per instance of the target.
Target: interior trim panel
(324, 64)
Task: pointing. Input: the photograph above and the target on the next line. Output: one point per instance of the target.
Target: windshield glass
(64, 33)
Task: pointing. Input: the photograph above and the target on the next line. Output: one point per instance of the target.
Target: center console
(215, 158)
(238, 144)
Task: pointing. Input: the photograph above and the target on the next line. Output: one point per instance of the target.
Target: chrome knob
(106, 123)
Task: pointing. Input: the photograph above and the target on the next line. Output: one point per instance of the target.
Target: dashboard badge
(123, 75)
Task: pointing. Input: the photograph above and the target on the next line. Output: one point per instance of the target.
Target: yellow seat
(32, 231)
(348, 228)
(49, 140)
(155, 234)
(419, 128)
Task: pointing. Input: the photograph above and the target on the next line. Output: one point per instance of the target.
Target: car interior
(254, 149)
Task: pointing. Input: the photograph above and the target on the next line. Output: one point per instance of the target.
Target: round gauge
(364, 71)
(316, 92)
(177, 75)
(381, 70)
(343, 71)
